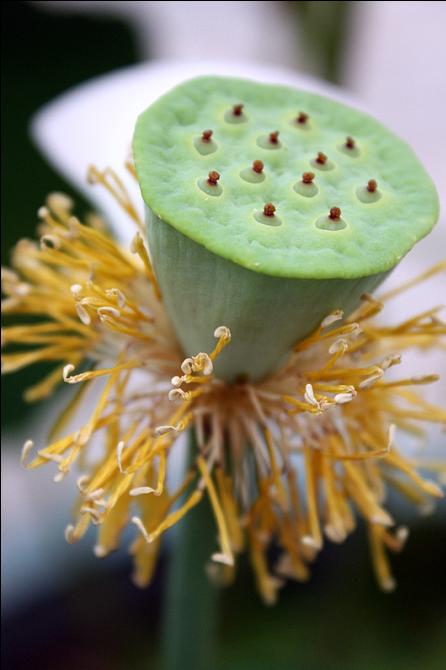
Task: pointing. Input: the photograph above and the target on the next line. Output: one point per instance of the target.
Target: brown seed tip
(302, 117)
(335, 213)
(237, 110)
(206, 135)
(257, 166)
(269, 209)
(213, 178)
(274, 137)
(350, 143)
(308, 177)
(372, 185)
(321, 158)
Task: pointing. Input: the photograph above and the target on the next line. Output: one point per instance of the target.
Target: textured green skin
(377, 234)
(266, 315)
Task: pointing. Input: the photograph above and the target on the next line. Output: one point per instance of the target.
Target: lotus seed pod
(315, 203)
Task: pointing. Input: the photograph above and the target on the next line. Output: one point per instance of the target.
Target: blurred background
(62, 608)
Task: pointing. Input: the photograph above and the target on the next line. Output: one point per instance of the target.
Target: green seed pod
(290, 206)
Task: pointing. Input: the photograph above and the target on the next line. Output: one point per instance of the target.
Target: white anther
(59, 476)
(203, 363)
(178, 394)
(99, 551)
(94, 513)
(94, 495)
(163, 430)
(29, 444)
(366, 383)
(22, 289)
(135, 243)
(309, 396)
(342, 398)
(139, 524)
(338, 345)
(402, 535)
(187, 366)
(393, 359)
(332, 318)
(119, 449)
(68, 369)
(116, 293)
(69, 534)
(58, 200)
(49, 240)
(222, 558)
(108, 311)
(43, 212)
(310, 541)
(80, 483)
(388, 584)
(83, 314)
(222, 331)
(176, 381)
(141, 490)
(75, 289)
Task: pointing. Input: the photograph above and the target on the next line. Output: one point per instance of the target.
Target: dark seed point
(335, 214)
(206, 135)
(257, 166)
(350, 143)
(269, 209)
(372, 185)
(302, 118)
(307, 177)
(274, 137)
(237, 110)
(321, 158)
(213, 178)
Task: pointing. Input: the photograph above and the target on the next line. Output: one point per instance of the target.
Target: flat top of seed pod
(281, 181)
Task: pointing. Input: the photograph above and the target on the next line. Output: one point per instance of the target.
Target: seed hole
(210, 186)
(270, 141)
(333, 221)
(322, 162)
(205, 144)
(268, 216)
(236, 114)
(255, 173)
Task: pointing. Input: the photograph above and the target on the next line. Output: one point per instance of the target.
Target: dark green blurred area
(43, 55)
(340, 620)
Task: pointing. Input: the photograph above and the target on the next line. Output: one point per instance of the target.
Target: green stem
(191, 600)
